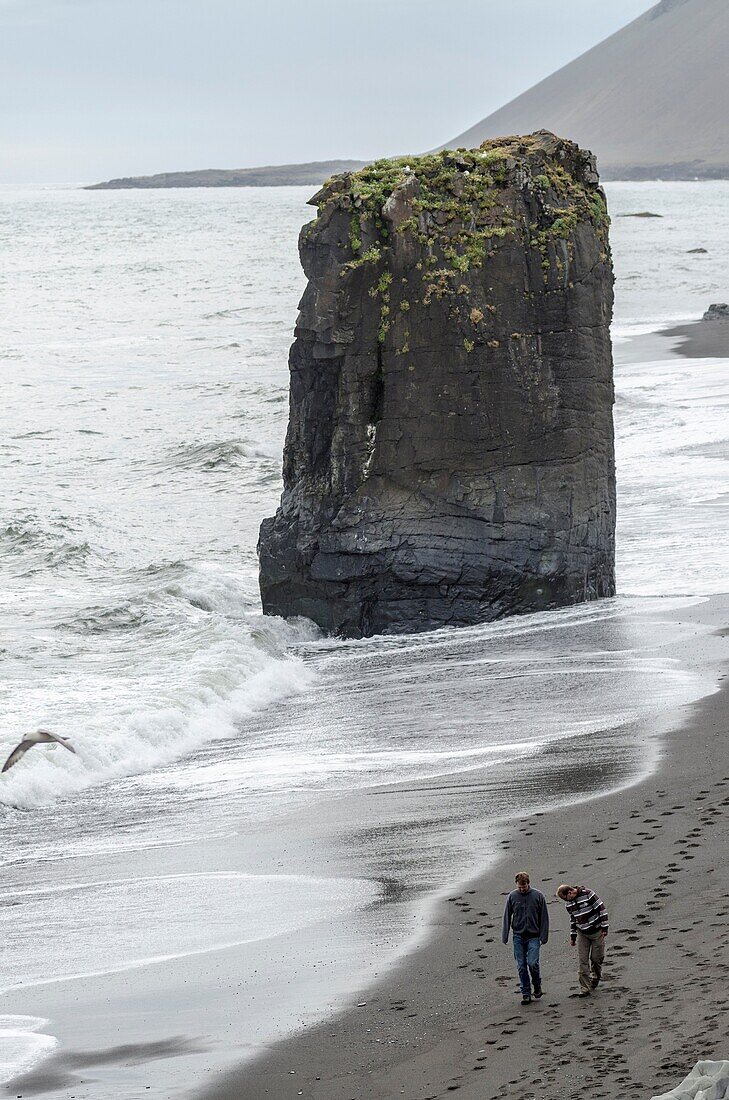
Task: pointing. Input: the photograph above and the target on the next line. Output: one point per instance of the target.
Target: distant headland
(274, 175)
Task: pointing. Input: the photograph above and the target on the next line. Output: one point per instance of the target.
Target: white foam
(21, 1047)
(148, 738)
(231, 664)
(672, 452)
(403, 709)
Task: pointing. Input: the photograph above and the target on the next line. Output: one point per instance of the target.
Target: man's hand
(573, 942)
(603, 933)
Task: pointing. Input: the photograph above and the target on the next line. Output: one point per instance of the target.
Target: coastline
(698, 339)
(448, 1018)
(171, 1025)
(176, 1025)
(701, 339)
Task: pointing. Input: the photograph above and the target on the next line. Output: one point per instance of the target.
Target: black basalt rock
(449, 457)
(717, 312)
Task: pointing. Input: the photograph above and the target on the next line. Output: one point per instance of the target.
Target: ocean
(249, 798)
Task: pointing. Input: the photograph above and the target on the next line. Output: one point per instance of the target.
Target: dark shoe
(594, 982)
(526, 999)
(538, 991)
(584, 993)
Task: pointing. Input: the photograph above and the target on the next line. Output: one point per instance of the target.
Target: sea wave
(147, 737)
(213, 455)
(102, 620)
(183, 679)
(29, 545)
(217, 455)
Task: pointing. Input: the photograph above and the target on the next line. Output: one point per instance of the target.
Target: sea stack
(449, 457)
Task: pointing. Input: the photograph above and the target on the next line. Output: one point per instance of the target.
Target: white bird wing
(18, 752)
(55, 737)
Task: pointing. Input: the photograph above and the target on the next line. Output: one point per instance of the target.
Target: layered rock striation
(449, 457)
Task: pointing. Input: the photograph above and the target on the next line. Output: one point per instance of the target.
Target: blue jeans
(526, 953)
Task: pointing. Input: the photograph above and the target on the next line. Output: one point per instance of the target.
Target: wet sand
(701, 339)
(448, 1020)
(694, 340)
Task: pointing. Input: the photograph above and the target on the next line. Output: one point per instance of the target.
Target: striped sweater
(587, 913)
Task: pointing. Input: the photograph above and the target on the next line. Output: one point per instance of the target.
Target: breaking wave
(190, 659)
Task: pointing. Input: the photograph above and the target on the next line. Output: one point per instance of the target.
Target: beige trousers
(591, 950)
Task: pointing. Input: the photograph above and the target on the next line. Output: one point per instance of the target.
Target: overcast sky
(91, 89)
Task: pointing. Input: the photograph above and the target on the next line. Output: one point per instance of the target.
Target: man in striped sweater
(588, 929)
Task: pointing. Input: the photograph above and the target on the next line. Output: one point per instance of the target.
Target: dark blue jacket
(526, 914)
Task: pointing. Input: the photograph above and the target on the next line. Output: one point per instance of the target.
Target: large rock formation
(449, 457)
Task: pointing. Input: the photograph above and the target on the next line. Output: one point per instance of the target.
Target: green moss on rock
(454, 210)
(458, 213)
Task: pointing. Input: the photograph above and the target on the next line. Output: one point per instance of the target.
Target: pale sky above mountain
(91, 89)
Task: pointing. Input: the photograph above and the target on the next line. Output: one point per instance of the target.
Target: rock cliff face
(449, 458)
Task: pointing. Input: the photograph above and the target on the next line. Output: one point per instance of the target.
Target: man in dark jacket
(527, 917)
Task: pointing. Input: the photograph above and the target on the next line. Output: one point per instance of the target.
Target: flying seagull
(37, 737)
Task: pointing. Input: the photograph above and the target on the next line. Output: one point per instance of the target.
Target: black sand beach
(448, 1019)
(694, 340)
(705, 339)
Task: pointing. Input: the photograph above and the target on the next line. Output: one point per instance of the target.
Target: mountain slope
(650, 100)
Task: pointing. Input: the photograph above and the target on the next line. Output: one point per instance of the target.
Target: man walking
(588, 929)
(527, 917)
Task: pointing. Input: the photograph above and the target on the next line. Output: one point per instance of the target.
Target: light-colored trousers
(591, 950)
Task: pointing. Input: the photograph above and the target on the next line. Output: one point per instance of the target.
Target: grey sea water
(234, 774)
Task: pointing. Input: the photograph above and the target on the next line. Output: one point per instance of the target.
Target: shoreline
(699, 339)
(170, 1026)
(304, 992)
(219, 1012)
(448, 1017)
(702, 339)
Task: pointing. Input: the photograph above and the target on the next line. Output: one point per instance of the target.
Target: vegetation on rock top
(460, 207)
(464, 186)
